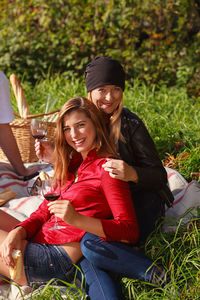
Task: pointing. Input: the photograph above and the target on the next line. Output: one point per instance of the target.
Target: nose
(74, 133)
(108, 96)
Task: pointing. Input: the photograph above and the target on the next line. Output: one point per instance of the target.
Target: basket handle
(38, 115)
(20, 97)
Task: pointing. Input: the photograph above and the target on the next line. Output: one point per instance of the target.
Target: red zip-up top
(95, 194)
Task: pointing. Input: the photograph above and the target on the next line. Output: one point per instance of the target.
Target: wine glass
(38, 130)
(50, 196)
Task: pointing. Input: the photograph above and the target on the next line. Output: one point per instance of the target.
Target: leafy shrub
(156, 41)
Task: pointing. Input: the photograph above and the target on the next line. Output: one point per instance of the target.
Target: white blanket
(186, 200)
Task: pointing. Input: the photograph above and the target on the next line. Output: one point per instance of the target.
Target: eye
(81, 125)
(101, 90)
(66, 129)
(117, 89)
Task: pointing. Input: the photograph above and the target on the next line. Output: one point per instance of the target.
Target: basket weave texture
(21, 127)
(25, 141)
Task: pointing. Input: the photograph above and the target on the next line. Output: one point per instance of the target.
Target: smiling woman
(80, 132)
(107, 98)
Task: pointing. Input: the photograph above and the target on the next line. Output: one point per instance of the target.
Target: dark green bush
(156, 41)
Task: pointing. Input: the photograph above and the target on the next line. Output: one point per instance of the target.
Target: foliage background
(157, 41)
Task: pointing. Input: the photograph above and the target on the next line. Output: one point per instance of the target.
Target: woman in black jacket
(140, 164)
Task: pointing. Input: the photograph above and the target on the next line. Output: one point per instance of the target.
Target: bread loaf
(44, 176)
(20, 97)
(6, 195)
(16, 271)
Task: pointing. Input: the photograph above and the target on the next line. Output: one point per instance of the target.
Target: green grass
(173, 120)
(168, 113)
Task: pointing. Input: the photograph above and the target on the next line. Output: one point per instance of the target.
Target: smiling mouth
(107, 104)
(79, 142)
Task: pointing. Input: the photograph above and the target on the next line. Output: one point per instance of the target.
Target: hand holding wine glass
(44, 150)
(50, 196)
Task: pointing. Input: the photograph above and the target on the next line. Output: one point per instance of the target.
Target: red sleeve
(124, 225)
(34, 223)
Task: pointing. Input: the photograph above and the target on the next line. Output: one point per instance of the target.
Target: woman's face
(80, 132)
(107, 98)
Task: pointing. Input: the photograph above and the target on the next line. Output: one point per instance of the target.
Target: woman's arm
(12, 241)
(66, 211)
(149, 168)
(123, 226)
(140, 154)
(9, 145)
(34, 223)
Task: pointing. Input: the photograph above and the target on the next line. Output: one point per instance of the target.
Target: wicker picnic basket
(21, 126)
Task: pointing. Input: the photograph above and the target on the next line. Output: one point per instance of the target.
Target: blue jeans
(99, 283)
(43, 262)
(116, 257)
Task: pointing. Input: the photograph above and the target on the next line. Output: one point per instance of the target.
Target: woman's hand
(119, 169)
(11, 242)
(31, 170)
(64, 210)
(44, 150)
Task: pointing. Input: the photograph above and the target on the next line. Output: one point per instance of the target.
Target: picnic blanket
(22, 205)
(186, 200)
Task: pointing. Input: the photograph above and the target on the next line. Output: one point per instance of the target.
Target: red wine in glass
(39, 136)
(38, 130)
(51, 197)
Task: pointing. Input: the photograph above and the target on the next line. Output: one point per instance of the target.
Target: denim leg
(116, 257)
(100, 285)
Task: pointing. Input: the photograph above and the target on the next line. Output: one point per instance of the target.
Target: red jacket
(95, 194)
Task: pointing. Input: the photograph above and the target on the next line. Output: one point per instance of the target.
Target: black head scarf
(104, 70)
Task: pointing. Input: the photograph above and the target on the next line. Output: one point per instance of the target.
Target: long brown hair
(114, 124)
(63, 151)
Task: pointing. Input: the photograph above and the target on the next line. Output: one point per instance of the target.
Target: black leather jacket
(140, 152)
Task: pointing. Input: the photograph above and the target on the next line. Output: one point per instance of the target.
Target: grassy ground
(173, 121)
(179, 253)
(172, 118)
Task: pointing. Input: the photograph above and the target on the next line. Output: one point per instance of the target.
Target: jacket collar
(77, 160)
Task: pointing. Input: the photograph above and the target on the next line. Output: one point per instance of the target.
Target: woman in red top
(91, 201)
